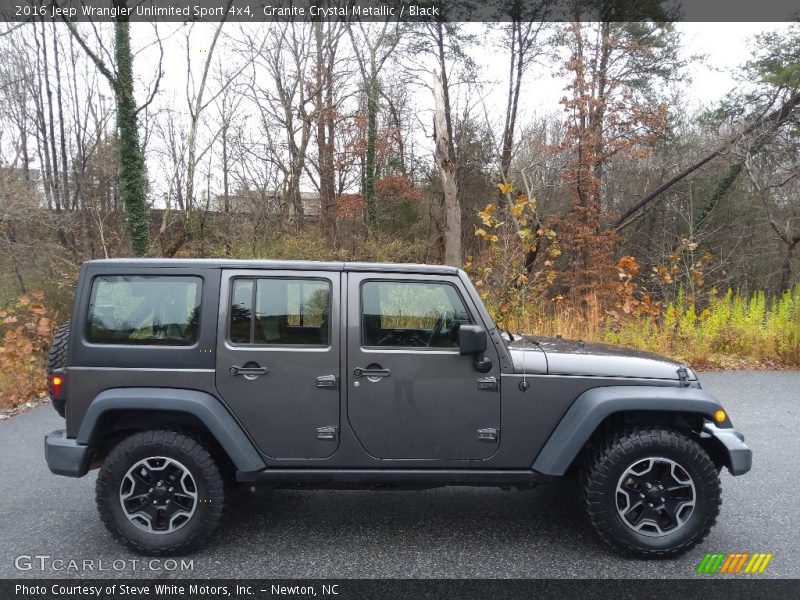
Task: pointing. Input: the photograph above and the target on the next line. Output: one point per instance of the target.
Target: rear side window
(137, 310)
(287, 312)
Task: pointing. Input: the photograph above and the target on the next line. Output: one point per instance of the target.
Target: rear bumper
(64, 455)
(739, 458)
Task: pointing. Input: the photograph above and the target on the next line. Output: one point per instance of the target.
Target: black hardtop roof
(300, 265)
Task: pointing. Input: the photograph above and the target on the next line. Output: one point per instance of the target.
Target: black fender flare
(594, 405)
(205, 407)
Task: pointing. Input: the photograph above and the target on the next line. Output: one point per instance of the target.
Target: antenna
(524, 385)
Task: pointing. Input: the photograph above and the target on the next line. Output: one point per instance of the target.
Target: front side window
(280, 312)
(411, 314)
(152, 310)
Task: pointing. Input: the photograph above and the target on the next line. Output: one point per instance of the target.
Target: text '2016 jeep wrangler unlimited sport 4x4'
(179, 377)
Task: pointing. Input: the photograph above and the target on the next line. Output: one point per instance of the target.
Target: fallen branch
(770, 121)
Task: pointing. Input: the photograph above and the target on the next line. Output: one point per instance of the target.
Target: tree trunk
(332, 226)
(61, 130)
(723, 185)
(53, 175)
(226, 200)
(298, 212)
(50, 173)
(445, 162)
(598, 116)
(786, 270)
(325, 125)
(370, 194)
(132, 180)
(12, 239)
(514, 86)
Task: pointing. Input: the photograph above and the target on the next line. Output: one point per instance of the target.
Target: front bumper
(64, 455)
(739, 458)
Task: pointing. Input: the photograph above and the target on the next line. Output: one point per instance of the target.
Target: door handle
(248, 372)
(368, 372)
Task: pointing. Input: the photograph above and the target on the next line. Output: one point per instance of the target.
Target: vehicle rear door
(278, 359)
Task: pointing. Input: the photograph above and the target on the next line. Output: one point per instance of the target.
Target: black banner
(712, 588)
(400, 10)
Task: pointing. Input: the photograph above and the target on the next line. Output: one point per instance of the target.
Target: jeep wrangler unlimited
(180, 378)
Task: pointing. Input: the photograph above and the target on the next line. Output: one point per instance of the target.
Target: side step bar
(410, 478)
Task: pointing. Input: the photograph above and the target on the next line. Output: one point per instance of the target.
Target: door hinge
(327, 382)
(326, 433)
(487, 384)
(683, 375)
(488, 435)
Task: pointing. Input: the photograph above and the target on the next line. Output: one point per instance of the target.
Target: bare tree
(763, 125)
(444, 43)
(228, 103)
(284, 101)
(197, 104)
(373, 45)
(326, 38)
(445, 161)
(132, 179)
(776, 182)
(521, 38)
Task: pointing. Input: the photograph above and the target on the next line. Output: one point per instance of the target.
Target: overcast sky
(725, 47)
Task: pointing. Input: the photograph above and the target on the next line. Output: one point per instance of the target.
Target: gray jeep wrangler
(181, 378)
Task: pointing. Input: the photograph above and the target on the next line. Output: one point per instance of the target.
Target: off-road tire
(57, 359)
(205, 471)
(609, 459)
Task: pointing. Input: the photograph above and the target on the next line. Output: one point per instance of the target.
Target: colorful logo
(743, 562)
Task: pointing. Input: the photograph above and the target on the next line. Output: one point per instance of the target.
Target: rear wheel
(651, 492)
(160, 493)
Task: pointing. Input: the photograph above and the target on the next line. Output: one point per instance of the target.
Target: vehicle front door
(278, 359)
(411, 394)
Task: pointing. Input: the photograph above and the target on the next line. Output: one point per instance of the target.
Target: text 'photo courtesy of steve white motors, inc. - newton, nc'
(208, 11)
(192, 590)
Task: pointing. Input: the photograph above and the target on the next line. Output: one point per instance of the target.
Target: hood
(557, 356)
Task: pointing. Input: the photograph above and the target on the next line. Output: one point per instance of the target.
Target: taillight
(56, 386)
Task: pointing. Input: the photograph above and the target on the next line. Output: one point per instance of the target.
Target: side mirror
(471, 339)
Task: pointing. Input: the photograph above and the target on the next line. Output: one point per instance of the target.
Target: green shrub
(731, 330)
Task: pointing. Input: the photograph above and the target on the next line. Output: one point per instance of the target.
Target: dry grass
(26, 330)
(24, 383)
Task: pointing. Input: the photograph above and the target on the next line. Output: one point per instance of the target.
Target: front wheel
(160, 493)
(651, 492)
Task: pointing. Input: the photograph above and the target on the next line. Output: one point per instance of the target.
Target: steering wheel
(414, 342)
(437, 329)
(400, 337)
